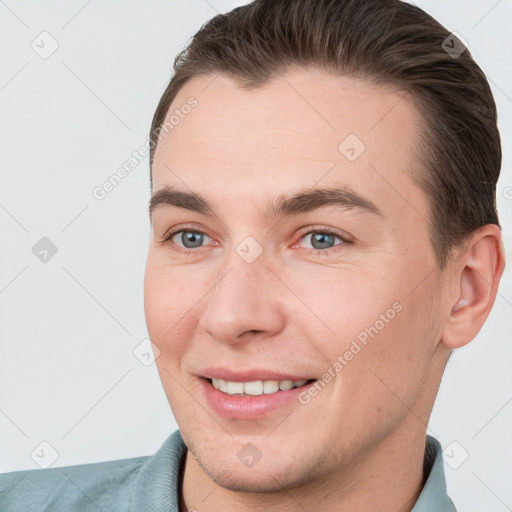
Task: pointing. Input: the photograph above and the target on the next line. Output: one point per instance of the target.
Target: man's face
(346, 289)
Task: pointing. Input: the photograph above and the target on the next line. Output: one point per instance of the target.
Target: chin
(257, 480)
(274, 474)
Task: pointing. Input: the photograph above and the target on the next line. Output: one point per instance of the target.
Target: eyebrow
(303, 201)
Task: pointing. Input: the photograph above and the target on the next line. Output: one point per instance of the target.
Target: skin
(359, 444)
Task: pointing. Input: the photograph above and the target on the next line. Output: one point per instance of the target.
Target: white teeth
(285, 385)
(234, 387)
(256, 387)
(253, 388)
(270, 386)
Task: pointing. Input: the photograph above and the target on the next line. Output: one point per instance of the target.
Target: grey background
(68, 375)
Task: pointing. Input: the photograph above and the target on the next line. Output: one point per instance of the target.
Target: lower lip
(248, 407)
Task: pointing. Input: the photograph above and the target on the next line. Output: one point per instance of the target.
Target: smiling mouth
(257, 387)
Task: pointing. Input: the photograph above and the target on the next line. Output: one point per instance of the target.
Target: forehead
(299, 130)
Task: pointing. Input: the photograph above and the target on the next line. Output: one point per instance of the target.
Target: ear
(478, 271)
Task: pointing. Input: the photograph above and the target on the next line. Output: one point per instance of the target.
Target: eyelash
(315, 252)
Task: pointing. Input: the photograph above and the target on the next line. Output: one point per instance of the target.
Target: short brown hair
(386, 42)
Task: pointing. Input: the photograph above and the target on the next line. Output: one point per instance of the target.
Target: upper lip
(248, 375)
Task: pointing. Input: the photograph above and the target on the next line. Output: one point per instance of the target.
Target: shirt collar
(434, 495)
(157, 485)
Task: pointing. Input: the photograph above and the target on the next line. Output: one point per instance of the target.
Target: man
(324, 235)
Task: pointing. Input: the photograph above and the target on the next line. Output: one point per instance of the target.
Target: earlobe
(478, 274)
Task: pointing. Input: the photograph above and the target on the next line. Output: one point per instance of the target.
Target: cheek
(387, 375)
(169, 301)
(383, 334)
(354, 306)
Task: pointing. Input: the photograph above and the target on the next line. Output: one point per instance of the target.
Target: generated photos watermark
(356, 346)
(100, 192)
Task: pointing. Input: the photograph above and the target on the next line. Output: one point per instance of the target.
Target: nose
(246, 301)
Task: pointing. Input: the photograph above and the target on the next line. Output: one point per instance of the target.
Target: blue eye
(190, 239)
(322, 240)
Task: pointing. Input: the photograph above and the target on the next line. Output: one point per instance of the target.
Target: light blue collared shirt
(151, 484)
